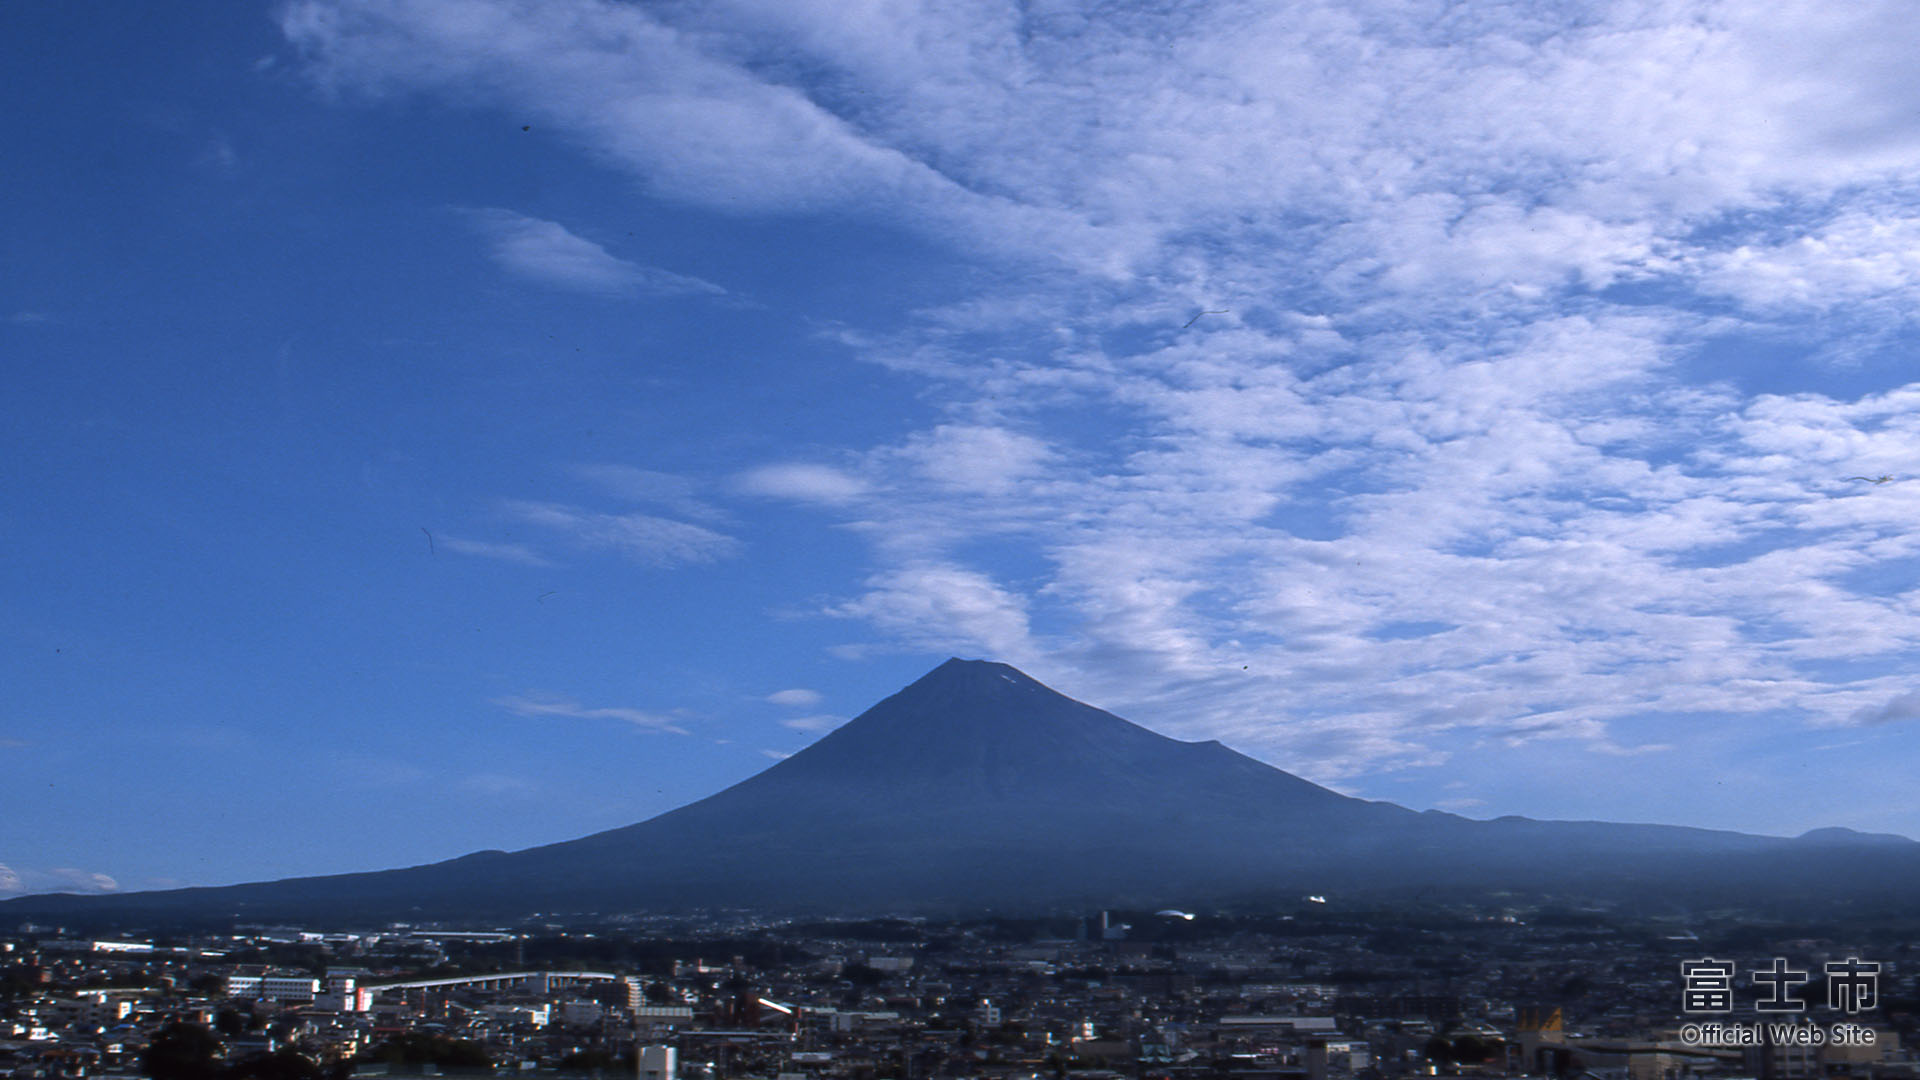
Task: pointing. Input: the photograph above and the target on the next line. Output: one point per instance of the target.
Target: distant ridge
(977, 787)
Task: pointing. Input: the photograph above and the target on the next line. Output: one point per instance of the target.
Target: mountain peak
(956, 670)
(963, 706)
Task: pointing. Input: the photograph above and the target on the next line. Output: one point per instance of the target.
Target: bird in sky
(1872, 479)
(1196, 318)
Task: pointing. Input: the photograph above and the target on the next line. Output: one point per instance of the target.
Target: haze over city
(436, 426)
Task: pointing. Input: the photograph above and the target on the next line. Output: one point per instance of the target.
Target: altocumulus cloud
(1484, 269)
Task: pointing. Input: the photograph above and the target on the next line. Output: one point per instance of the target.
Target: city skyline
(439, 425)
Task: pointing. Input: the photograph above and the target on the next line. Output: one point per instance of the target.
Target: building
(658, 1063)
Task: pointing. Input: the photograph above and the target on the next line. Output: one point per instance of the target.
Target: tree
(208, 984)
(417, 1049)
(18, 981)
(284, 1065)
(182, 1051)
(1471, 1049)
(1576, 987)
(589, 1061)
(230, 1023)
(862, 975)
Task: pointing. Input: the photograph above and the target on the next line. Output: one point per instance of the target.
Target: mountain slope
(977, 786)
(974, 784)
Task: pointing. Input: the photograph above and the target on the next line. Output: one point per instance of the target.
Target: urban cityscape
(1318, 994)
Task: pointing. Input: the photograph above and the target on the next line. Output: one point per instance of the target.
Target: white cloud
(678, 494)
(368, 770)
(569, 708)
(821, 723)
(1561, 152)
(88, 881)
(18, 880)
(219, 154)
(487, 549)
(546, 252)
(798, 697)
(946, 608)
(1859, 256)
(665, 101)
(642, 538)
(1902, 708)
(802, 482)
(976, 459)
(498, 785)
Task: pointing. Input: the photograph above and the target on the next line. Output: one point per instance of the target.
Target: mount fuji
(977, 788)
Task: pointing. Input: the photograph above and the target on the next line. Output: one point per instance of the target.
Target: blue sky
(440, 425)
